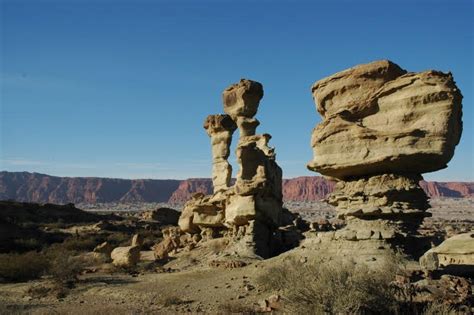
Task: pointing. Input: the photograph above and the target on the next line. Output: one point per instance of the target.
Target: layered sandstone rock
(220, 128)
(249, 211)
(456, 252)
(379, 119)
(382, 128)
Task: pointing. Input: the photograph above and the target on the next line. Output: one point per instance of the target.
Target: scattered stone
(227, 264)
(170, 243)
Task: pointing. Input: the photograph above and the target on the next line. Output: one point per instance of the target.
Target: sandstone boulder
(456, 252)
(380, 119)
(171, 242)
(127, 256)
(242, 99)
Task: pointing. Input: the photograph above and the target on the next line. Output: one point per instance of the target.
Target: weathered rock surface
(171, 242)
(250, 210)
(242, 99)
(382, 128)
(126, 256)
(220, 128)
(380, 119)
(163, 215)
(457, 251)
(380, 195)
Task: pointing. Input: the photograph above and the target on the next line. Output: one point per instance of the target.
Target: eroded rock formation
(249, 211)
(382, 128)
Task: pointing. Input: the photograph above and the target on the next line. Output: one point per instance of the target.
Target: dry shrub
(65, 265)
(119, 239)
(336, 287)
(81, 244)
(23, 267)
(436, 308)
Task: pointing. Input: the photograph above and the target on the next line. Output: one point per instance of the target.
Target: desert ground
(204, 279)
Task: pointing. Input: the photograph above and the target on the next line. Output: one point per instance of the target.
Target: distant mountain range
(35, 187)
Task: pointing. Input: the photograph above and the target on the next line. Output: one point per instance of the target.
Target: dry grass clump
(81, 243)
(61, 264)
(340, 287)
(64, 265)
(22, 267)
(437, 308)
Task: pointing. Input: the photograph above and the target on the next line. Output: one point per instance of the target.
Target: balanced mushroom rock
(250, 211)
(382, 127)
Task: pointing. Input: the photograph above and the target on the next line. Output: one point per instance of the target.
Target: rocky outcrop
(250, 211)
(29, 187)
(127, 256)
(379, 119)
(162, 215)
(382, 128)
(220, 129)
(457, 252)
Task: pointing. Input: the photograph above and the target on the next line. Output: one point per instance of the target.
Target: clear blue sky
(121, 88)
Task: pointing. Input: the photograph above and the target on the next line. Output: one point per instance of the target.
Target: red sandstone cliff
(306, 188)
(189, 187)
(34, 187)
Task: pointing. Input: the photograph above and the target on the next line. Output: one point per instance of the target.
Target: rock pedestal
(382, 128)
(251, 210)
(220, 128)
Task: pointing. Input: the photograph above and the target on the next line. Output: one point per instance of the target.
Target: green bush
(23, 267)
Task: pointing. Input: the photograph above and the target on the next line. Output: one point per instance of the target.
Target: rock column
(220, 128)
(382, 128)
(251, 210)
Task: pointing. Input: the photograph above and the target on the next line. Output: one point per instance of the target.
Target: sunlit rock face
(382, 127)
(249, 212)
(377, 118)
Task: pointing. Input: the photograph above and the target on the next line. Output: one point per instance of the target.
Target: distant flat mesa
(35, 187)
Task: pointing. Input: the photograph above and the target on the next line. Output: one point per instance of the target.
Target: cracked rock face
(382, 127)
